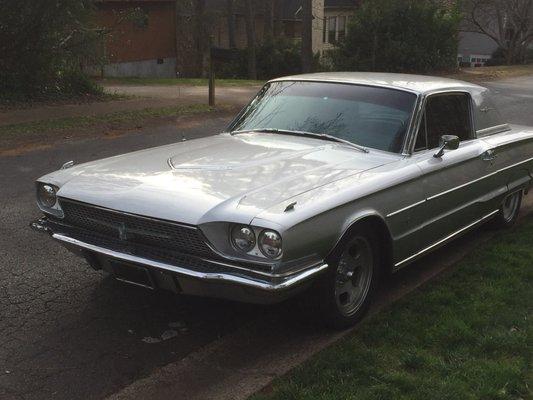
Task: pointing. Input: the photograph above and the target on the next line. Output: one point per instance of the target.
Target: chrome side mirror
(447, 142)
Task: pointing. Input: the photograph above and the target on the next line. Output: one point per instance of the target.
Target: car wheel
(352, 278)
(509, 210)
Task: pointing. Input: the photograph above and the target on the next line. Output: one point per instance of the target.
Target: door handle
(489, 155)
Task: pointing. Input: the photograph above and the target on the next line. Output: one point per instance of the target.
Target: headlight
(270, 243)
(46, 194)
(243, 238)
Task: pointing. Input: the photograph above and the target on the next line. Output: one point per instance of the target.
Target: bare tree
(250, 38)
(307, 35)
(201, 37)
(508, 22)
(231, 23)
(269, 18)
(278, 18)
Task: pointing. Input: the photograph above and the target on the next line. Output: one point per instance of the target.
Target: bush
(400, 36)
(275, 57)
(43, 46)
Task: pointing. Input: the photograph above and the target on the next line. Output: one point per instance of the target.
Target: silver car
(327, 182)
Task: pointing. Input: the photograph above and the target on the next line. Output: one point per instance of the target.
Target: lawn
(467, 335)
(115, 118)
(180, 81)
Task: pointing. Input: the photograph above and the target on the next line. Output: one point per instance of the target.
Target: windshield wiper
(323, 136)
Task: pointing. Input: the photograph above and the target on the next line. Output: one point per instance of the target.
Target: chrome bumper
(265, 284)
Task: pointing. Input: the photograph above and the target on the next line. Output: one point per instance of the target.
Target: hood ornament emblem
(122, 232)
(67, 165)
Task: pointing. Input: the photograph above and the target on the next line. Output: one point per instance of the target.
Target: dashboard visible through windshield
(368, 116)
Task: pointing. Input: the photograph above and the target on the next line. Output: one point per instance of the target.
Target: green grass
(465, 336)
(181, 81)
(116, 118)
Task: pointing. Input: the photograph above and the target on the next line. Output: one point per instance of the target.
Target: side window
(445, 115)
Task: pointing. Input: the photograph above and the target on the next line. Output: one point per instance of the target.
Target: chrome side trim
(479, 179)
(446, 239)
(436, 196)
(392, 214)
(212, 277)
(493, 130)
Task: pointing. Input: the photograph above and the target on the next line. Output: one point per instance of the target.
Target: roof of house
(413, 83)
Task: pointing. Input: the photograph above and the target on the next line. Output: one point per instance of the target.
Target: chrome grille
(135, 230)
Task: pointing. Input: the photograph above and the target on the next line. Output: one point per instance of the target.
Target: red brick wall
(129, 42)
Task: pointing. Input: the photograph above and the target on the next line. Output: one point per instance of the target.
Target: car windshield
(369, 116)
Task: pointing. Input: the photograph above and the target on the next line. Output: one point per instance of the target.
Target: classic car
(325, 183)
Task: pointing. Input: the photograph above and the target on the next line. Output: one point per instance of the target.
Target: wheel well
(375, 224)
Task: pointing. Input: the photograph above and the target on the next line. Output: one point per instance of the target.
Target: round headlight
(47, 195)
(270, 243)
(243, 238)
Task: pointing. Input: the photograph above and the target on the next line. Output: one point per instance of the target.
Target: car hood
(218, 178)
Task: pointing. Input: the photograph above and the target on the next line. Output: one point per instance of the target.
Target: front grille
(134, 229)
(164, 241)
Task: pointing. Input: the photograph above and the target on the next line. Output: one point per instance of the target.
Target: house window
(341, 29)
(332, 29)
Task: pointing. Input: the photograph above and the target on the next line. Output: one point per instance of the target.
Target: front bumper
(237, 284)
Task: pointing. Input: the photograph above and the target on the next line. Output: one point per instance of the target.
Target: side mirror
(447, 142)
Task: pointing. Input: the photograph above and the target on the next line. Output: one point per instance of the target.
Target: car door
(454, 184)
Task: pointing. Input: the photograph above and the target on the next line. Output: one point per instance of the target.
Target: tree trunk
(231, 24)
(269, 19)
(278, 18)
(307, 36)
(201, 38)
(250, 38)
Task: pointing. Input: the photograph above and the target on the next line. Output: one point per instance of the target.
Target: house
(165, 38)
(475, 49)
(140, 37)
(335, 23)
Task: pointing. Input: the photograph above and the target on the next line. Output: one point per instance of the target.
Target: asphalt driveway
(67, 332)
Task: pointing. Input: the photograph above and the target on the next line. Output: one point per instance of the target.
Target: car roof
(413, 83)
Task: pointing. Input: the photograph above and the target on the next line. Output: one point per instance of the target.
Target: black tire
(509, 211)
(335, 306)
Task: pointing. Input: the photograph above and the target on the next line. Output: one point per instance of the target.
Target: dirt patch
(14, 145)
(487, 74)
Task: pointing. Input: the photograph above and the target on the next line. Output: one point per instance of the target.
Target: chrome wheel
(510, 206)
(354, 276)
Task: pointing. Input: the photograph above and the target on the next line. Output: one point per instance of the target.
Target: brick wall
(130, 41)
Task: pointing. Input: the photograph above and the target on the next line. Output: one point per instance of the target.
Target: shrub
(275, 57)
(400, 36)
(43, 46)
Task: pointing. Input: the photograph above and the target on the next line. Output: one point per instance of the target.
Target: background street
(68, 332)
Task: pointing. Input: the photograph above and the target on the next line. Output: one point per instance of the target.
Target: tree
(201, 35)
(400, 36)
(278, 18)
(508, 22)
(250, 38)
(231, 24)
(44, 45)
(307, 35)
(269, 19)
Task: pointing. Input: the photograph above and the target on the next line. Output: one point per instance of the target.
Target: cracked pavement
(67, 331)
